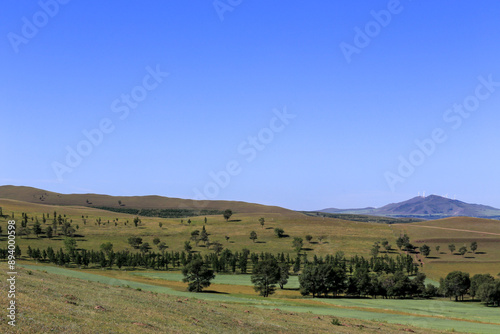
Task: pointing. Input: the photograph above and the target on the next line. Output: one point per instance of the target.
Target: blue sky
(304, 105)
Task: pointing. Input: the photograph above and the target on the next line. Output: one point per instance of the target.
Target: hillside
(50, 304)
(39, 196)
(430, 207)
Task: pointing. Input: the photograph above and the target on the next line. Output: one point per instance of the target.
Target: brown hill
(40, 196)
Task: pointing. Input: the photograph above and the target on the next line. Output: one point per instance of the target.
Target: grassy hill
(350, 237)
(39, 196)
(460, 231)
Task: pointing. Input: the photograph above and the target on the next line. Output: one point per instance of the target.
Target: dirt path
(453, 229)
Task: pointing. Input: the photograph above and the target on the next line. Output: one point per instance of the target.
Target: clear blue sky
(359, 100)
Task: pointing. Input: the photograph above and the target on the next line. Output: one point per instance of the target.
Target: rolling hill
(430, 207)
(39, 196)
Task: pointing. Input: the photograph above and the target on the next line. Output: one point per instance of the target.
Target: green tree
(144, 247)
(69, 244)
(49, 232)
(253, 236)
(477, 280)
(264, 277)
(375, 249)
(309, 238)
(279, 232)
(156, 241)
(321, 279)
(489, 293)
(297, 244)
(162, 246)
(135, 242)
(187, 246)
(321, 238)
(204, 235)
(37, 229)
(456, 284)
(262, 221)
(473, 246)
(284, 274)
(107, 247)
(217, 247)
(462, 250)
(425, 250)
(452, 248)
(197, 275)
(137, 221)
(195, 236)
(227, 214)
(438, 248)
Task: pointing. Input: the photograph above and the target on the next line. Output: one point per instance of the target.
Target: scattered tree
(37, 229)
(49, 232)
(262, 221)
(309, 238)
(135, 241)
(452, 248)
(425, 250)
(264, 277)
(227, 214)
(279, 232)
(297, 244)
(473, 246)
(187, 246)
(253, 236)
(107, 247)
(144, 247)
(70, 244)
(217, 247)
(197, 275)
(462, 250)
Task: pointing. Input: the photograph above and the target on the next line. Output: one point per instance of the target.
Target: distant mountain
(34, 195)
(430, 207)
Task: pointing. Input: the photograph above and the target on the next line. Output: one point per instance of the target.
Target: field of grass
(48, 302)
(460, 231)
(435, 314)
(350, 237)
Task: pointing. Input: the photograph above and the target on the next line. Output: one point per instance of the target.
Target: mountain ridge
(432, 206)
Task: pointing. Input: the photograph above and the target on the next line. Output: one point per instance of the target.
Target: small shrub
(30, 272)
(336, 321)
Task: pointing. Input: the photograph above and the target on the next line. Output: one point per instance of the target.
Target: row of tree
(457, 284)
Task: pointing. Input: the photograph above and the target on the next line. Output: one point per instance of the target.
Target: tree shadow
(268, 228)
(433, 257)
(480, 253)
(260, 242)
(306, 249)
(215, 292)
(234, 220)
(470, 257)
